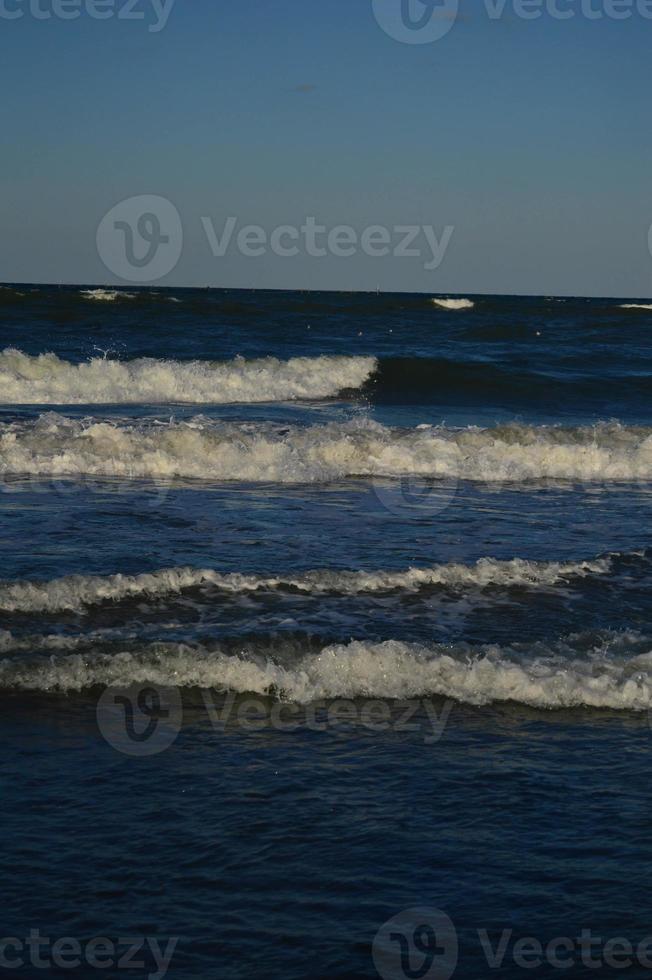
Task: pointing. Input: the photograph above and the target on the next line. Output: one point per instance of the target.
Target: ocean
(325, 634)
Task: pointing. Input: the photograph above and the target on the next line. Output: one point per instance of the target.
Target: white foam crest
(454, 304)
(261, 452)
(106, 295)
(77, 592)
(609, 671)
(48, 380)
(636, 306)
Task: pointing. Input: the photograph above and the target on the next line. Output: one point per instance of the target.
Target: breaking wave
(263, 452)
(636, 306)
(106, 295)
(77, 592)
(454, 304)
(48, 380)
(598, 670)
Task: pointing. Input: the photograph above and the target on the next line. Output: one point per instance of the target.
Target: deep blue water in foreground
(234, 716)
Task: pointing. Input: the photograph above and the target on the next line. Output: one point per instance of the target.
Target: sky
(516, 152)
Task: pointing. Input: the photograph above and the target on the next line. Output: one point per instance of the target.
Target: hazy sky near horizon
(530, 138)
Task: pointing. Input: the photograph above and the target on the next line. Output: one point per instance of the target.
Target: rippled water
(385, 565)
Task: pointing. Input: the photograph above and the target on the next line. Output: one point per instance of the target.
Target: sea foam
(48, 380)
(106, 295)
(454, 304)
(78, 592)
(262, 452)
(600, 670)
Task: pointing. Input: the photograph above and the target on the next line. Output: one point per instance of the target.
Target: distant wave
(48, 380)
(597, 670)
(111, 295)
(76, 593)
(454, 304)
(106, 295)
(262, 452)
(636, 306)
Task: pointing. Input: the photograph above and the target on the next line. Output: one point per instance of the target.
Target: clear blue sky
(532, 138)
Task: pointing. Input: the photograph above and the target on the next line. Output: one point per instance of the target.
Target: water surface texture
(320, 608)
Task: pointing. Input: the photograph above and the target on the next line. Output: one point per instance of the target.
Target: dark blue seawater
(320, 612)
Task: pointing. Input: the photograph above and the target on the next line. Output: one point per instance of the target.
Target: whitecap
(604, 670)
(47, 379)
(454, 304)
(106, 295)
(78, 592)
(263, 452)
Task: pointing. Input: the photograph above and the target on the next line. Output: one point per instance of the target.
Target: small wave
(636, 306)
(262, 452)
(599, 670)
(77, 592)
(454, 304)
(106, 295)
(46, 379)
